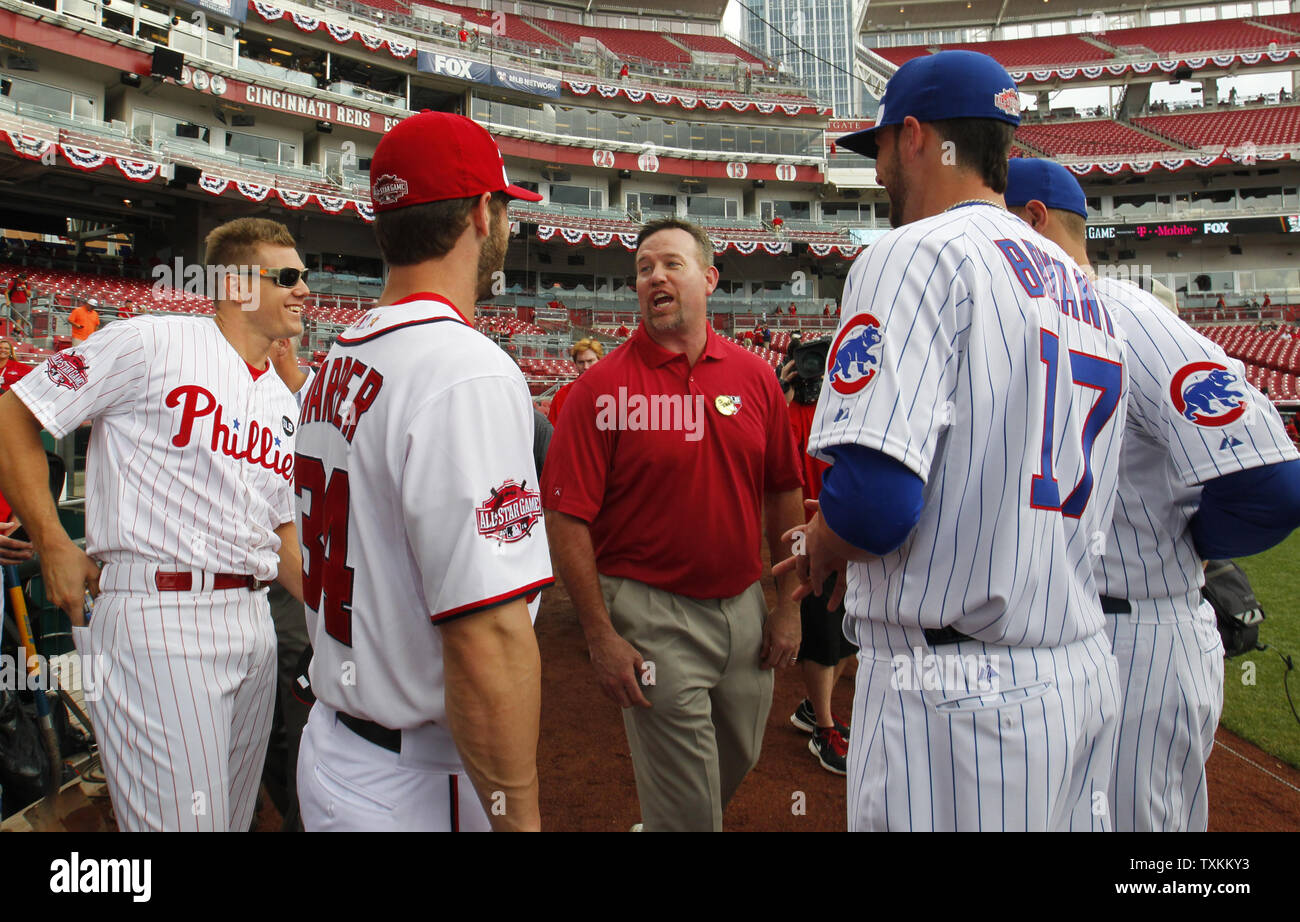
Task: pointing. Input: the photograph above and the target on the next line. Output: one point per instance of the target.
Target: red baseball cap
(434, 156)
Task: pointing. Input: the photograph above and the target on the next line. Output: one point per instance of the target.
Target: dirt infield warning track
(586, 771)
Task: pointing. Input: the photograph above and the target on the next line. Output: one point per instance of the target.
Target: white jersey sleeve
(104, 375)
(466, 528)
(1192, 417)
(895, 321)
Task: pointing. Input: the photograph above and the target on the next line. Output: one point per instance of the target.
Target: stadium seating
(1194, 37)
(1095, 137)
(1015, 54)
(631, 43)
(70, 288)
(1272, 358)
(1288, 21)
(1263, 127)
(714, 44)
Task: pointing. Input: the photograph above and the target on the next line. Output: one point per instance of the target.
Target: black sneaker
(805, 718)
(830, 749)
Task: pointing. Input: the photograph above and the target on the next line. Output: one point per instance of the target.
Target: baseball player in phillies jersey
(424, 550)
(969, 413)
(1198, 438)
(189, 508)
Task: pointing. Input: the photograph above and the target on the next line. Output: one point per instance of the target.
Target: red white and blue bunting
(137, 170)
(1175, 162)
(340, 34)
(27, 147)
(292, 198)
(576, 236)
(1168, 66)
(688, 101)
(83, 158)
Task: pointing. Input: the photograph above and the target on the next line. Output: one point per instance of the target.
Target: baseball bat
(46, 721)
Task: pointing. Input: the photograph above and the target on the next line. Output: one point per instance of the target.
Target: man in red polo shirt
(673, 451)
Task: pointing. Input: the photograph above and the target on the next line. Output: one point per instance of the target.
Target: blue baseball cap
(1045, 181)
(950, 84)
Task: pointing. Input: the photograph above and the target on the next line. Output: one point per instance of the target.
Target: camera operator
(825, 651)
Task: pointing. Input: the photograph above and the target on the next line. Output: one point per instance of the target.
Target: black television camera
(810, 368)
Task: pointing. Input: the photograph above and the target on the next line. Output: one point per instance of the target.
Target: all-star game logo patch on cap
(950, 84)
(435, 156)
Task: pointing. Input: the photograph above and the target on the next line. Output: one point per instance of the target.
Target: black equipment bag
(1235, 607)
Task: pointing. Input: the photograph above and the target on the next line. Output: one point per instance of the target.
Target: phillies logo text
(197, 402)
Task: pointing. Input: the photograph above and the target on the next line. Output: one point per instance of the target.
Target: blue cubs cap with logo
(1030, 180)
(950, 84)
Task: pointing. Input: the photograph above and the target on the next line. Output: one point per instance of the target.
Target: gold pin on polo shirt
(727, 406)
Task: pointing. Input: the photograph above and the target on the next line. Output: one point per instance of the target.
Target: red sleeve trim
(522, 592)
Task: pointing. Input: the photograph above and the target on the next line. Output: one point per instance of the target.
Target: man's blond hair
(235, 243)
(583, 345)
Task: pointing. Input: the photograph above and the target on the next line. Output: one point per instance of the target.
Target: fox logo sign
(853, 360)
(1205, 393)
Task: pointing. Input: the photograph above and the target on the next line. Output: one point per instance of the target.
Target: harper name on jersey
(330, 397)
(430, 514)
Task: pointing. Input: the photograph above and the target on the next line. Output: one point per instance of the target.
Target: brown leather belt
(184, 581)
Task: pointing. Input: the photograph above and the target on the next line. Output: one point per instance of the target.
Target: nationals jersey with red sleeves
(669, 463)
(417, 503)
(190, 459)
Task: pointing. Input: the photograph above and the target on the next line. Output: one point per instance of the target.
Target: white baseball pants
(1171, 681)
(348, 784)
(183, 709)
(1028, 746)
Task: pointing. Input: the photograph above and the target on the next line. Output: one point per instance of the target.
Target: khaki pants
(691, 750)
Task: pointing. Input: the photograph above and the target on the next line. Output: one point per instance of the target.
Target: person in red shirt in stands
(622, 331)
(127, 310)
(19, 291)
(826, 311)
(11, 370)
(585, 353)
(792, 310)
(1268, 302)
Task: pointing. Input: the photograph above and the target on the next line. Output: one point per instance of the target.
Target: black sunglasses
(285, 277)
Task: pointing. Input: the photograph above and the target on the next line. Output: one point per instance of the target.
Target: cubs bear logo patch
(855, 358)
(510, 513)
(67, 369)
(1207, 394)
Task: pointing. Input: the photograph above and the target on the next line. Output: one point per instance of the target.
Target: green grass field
(1259, 712)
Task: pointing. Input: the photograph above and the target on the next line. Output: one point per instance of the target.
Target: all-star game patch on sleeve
(472, 502)
(892, 363)
(103, 375)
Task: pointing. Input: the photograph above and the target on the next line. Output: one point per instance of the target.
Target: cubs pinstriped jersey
(975, 352)
(191, 458)
(1192, 417)
(417, 503)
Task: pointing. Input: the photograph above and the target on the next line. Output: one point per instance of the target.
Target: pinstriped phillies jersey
(190, 459)
(1192, 417)
(974, 351)
(417, 503)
